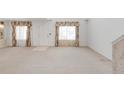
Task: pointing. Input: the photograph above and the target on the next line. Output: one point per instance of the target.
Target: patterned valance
(68, 23)
(22, 23)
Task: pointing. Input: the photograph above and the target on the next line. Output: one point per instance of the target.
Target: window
(1, 30)
(21, 32)
(67, 33)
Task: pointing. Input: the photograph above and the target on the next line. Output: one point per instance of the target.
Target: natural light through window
(67, 33)
(21, 32)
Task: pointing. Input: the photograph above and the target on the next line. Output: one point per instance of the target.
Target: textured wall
(118, 57)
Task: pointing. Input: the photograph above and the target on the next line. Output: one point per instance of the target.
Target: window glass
(67, 33)
(21, 32)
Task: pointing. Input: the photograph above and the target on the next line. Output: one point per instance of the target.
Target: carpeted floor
(53, 60)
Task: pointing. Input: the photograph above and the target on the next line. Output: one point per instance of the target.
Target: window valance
(26, 23)
(68, 23)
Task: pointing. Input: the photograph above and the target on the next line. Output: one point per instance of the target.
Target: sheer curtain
(67, 33)
(21, 35)
(67, 36)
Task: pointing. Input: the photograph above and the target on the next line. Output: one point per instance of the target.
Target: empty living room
(61, 45)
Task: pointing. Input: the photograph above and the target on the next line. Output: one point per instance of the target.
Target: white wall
(41, 30)
(8, 33)
(40, 33)
(102, 32)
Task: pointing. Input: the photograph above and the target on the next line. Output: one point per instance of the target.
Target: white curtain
(67, 33)
(67, 36)
(21, 36)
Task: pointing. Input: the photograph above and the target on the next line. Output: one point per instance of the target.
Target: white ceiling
(23, 19)
(37, 19)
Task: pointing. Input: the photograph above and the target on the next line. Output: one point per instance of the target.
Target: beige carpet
(40, 49)
(59, 60)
